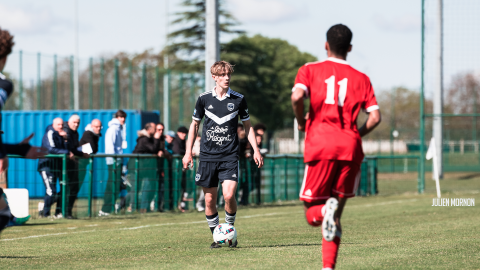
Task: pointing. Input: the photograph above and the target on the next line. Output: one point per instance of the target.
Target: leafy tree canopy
(188, 43)
(265, 70)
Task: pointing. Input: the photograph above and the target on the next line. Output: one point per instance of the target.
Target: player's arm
(250, 134)
(374, 118)
(298, 107)
(192, 135)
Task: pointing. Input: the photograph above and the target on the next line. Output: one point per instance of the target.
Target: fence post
(137, 178)
(90, 84)
(192, 89)
(143, 95)
(39, 81)
(64, 184)
(115, 180)
(249, 178)
(157, 88)
(54, 85)
(116, 86)
(180, 100)
(102, 84)
(286, 177)
(71, 84)
(130, 85)
(297, 177)
(195, 186)
(420, 179)
(166, 184)
(20, 82)
(272, 179)
(175, 183)
(90, 187)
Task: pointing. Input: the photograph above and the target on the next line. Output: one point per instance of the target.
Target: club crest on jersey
(230, 106)
(197, 177)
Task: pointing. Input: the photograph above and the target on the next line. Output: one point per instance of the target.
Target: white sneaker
(200, 208)
(329, 228)
(103, 214)
(58, 216)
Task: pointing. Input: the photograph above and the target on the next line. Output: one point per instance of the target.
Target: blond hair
(220, 67)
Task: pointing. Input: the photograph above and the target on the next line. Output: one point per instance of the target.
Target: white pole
(438, 93)
(212, 46)
(75, 63)
(166, 91)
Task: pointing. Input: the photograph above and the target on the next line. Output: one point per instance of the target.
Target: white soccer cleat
(103, 214)
(329, 228)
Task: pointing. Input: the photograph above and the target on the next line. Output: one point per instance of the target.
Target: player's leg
(50, 191)
(315, 190)
(228, 175)
(211, 212)
(344, 187)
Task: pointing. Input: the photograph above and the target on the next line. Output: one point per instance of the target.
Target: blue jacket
(55, 144)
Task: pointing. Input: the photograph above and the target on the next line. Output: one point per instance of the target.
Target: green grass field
(400, 231)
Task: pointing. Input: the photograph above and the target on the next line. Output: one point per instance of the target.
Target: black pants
(112, 189)
(50, 181)
(255, 177)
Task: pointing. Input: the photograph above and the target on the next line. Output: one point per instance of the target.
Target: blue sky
(386, 40)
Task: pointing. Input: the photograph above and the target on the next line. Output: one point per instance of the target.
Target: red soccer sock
(330, 252)
(314, 215)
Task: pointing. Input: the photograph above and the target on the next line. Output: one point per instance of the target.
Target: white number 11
(342, 93)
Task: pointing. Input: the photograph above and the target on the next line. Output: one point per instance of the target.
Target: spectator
(73, 185)
(260, 130)
(148, 142)
(91, 136)
(162, 153)
(55, 141)
(169, 136)
(179, 148)
(179, 141)
(255, 174)
(113, 145)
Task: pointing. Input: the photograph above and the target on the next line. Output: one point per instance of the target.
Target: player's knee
(229, 196)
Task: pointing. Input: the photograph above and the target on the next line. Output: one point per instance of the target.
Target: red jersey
(337, 92)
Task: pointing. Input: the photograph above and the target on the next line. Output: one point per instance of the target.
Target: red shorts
(327, 178)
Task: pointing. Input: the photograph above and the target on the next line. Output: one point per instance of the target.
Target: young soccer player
(333, 145)
(219, 144)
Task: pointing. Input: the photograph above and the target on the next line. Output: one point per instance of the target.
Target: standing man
(91, 136)
(179, 146)
(333, 144)
(113, 145)
(73, 185)
(55, 141)
(219, 144)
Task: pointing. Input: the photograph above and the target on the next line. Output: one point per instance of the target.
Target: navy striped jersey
(219, 133)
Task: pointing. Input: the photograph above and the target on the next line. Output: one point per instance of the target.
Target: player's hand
(36, 152)
(258, 159)
(3, 164)
(187, 160)
(301, 127)
(27, 139)
(160, 154)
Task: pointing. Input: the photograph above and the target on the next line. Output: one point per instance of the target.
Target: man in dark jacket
(179, 142)
(73, 185)
(147, 143)
(50, 169)
(91, 136)
(179, 147)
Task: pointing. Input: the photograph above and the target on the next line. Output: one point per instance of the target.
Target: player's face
(223, 79)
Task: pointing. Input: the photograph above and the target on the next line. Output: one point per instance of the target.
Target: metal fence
(145, 183)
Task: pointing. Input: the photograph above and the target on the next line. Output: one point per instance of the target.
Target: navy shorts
(211, 172)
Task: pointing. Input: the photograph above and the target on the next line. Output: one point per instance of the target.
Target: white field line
(187, 223)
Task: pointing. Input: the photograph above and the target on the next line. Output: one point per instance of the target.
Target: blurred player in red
(333, 144)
